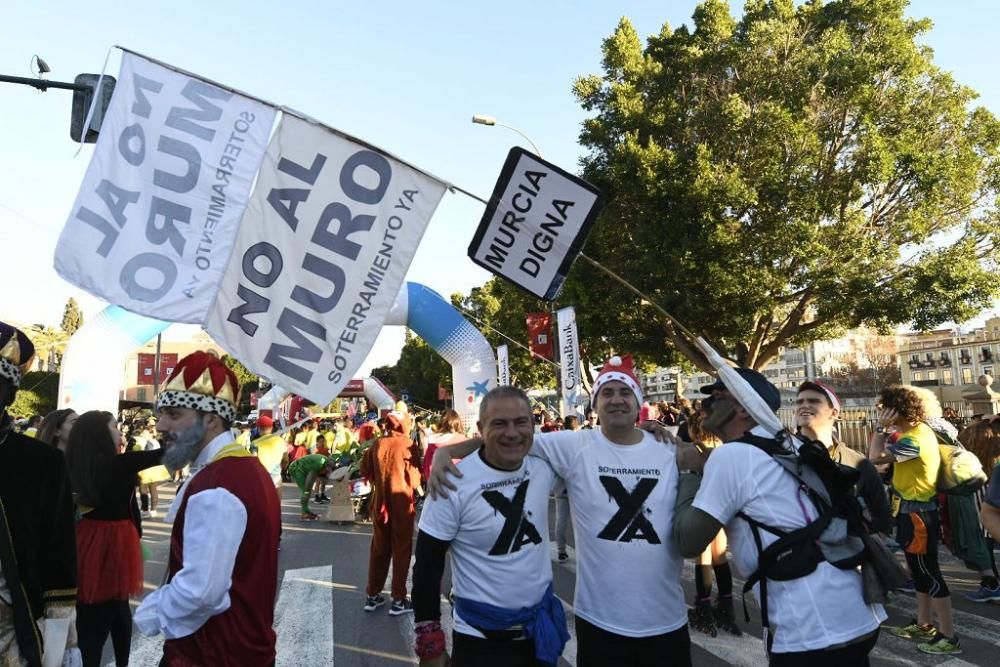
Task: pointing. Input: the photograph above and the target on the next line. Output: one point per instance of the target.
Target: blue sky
(404, 76)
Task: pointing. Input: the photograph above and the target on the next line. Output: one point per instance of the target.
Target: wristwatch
(883, 430)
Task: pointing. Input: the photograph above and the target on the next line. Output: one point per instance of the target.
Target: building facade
(949, 362)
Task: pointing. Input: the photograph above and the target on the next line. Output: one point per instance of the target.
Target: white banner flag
(153, 224)
(326, 241)
(503, 366)
(569, 361)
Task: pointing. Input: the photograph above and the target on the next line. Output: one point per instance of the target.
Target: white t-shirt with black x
(825, 608)
(628, 578)
(497, 523)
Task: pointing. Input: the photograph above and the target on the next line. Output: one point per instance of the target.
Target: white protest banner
(153, 224)
(569, 360)
(503, 366)
(535, 224)
(325, 243)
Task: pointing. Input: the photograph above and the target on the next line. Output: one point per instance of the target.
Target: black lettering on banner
(198, 92)
(134, 156)
(517, 528)
(141, 105)
(324, 269)
(295, 196)
(170, 212)
(279, 357)
(189, 155)
(338, 241)
(630, 520)
(358, 192)
(253, 303)
(129, 278)
(275, 263)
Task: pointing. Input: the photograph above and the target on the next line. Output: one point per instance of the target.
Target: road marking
(303, 617)
(306, 596)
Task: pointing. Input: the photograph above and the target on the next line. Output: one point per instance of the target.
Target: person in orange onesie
(392, 466)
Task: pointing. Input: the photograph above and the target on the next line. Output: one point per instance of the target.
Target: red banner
(540, 334)
(147, 364)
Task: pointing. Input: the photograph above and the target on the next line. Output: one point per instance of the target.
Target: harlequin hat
(201, 381)
(16, 353)
(618, 369)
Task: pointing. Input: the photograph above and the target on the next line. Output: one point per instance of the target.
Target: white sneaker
(144, 514)
(153, 514)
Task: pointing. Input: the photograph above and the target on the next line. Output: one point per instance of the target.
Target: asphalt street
(320, 621)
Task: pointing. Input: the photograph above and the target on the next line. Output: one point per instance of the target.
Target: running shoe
(941, 645)
(563, 556)
(400, 607)
(373, 602)
(725, 617)
(701, 618)
(913, 631)
(308, 516)
(984, 594)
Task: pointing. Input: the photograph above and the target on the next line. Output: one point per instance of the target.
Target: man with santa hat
(217, 606)
(622, 486)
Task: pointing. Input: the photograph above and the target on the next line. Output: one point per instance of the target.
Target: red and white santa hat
(618, 369)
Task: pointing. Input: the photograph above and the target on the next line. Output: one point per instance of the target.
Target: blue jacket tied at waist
(545, 622)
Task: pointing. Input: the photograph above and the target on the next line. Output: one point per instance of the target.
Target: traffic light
(82, 98)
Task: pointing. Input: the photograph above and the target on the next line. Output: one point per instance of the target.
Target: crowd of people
(807, 521)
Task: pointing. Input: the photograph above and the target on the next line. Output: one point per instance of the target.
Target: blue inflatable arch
(106, 341)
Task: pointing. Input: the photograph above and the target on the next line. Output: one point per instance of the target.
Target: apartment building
(139, 376)
(858, 349)
(949, 361)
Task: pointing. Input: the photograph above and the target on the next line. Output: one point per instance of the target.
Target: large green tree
(249, 381)
(774, 179)
(37, 395)
(420, 370)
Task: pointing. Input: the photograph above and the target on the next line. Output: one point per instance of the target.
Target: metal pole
(556, 355)
(43, 84)
(156, 369)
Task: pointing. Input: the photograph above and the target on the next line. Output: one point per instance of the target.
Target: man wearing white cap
(819, 618)
(622, 486)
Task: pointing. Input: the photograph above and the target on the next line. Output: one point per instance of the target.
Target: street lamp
(482, 119)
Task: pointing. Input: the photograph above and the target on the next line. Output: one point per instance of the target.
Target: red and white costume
(217, 607)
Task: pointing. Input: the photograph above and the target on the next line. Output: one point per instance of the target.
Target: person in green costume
(304, 471)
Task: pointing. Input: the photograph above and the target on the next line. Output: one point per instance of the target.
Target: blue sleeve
(993, 489)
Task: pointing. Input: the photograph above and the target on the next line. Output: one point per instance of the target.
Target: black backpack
(837, 536)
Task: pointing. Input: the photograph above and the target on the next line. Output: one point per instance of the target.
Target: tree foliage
(420, 370)
(249, 381)
(774, 179)
(498, 310)
(387, 376)
(37, 395)
(72, 317)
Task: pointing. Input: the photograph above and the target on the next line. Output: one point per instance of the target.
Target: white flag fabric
(503, 366)
(741, 390)
(324, 246)
(154, 222)
(569, 360)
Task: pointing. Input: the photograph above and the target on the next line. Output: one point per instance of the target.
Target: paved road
(320, 621)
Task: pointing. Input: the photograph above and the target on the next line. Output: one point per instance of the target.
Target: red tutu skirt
(109, 560)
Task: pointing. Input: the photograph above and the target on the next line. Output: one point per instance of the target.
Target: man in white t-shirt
(495, 527)
(622, 486)
(819, 619)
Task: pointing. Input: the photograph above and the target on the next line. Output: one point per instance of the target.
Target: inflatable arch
(89, 381)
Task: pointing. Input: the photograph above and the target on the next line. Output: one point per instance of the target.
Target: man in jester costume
(217, 605)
